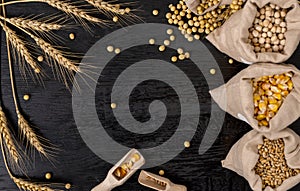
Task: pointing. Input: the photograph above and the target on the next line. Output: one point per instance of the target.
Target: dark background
(50, 109)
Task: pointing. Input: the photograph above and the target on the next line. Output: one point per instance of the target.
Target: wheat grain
(20, 47)
(70, 9)
(30, 186)
(8, 140)
(33, 24)
(28, 133)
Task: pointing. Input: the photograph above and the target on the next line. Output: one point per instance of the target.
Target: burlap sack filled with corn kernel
(243, 156)
(231, 38)
(239, 94)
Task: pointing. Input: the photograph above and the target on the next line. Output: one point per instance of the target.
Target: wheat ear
(70, 9)
(28, 133)
(56, 54)
(62, 65)
(20, 47)
(21, 183)
(8, 140)
(33, 24)
(102, 5)
(125, 15)
(30, 186)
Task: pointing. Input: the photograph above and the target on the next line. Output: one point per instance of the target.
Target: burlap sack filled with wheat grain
(239, 94)
(243, 156)
(231, 38)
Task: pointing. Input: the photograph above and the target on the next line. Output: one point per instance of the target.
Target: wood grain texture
(50, 109)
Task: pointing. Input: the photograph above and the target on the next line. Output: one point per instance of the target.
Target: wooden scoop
(158, 183)
(122, 171)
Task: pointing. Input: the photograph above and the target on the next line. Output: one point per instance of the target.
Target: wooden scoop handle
(177, 187)
(102, 187)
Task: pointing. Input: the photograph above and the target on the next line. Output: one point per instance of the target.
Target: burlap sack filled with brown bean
(268, 161)
(240, 100)
(232, 37)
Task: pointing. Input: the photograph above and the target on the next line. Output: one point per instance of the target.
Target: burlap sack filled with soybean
(231, 38)
(193, 4)
(239, 96)
(244, 155)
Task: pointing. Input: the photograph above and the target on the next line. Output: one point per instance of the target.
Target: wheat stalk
(20, 47)
(28, 133)
(8, 140)
(32, 24)
(26, 130)
(30, 186)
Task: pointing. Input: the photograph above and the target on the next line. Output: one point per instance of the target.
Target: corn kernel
(266, 86)
(290, 85)
(256, 97)
(283, 86)
(265, 123)
(268, 95)
(272, 100)
(262, 106)
(273, 107)
(277, 96)
(275, 89)
(261, 117)
(285, 93)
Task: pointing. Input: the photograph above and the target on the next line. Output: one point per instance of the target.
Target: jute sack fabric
(239, 96)
(193, 4)
(243, 157)
(231, 38)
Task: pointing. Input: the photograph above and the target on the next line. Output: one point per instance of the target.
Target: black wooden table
(50, 109)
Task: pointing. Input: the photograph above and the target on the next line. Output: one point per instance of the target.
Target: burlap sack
(239, 96)
(243, 157)
(193, 4)
(231, 37)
